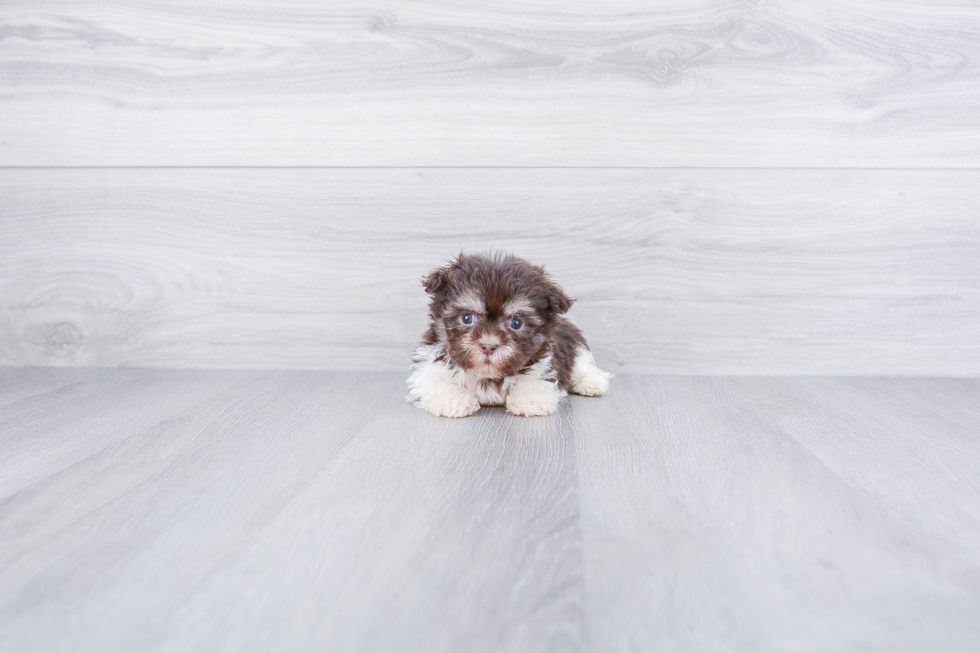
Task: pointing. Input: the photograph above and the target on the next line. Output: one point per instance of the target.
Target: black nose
(488, 348)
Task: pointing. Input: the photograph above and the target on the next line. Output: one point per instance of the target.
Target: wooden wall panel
(743, 83)
(676, 271)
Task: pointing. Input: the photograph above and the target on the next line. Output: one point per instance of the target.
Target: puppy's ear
(436, 281)
(558, 301)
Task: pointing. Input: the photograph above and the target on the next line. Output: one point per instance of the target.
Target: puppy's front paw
(532, 404)
(453, 402)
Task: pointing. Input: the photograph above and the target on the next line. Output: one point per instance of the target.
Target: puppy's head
(493, 313)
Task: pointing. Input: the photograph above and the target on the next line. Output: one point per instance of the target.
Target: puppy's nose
(488, 348)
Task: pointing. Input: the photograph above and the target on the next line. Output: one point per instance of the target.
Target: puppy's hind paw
(592, 385)
(587, 378)
(456, 403)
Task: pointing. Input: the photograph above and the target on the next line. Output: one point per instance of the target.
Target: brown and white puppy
(497, 338)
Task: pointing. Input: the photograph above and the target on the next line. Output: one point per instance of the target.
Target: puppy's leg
(432, 386)
(450, 400)
(529, 395)
(587, 378)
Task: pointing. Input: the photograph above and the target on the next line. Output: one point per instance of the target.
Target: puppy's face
(494, 314)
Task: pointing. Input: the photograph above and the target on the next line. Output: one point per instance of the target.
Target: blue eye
(467, 318)
(515, 324)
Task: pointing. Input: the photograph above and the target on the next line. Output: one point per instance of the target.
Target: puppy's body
(497, 338)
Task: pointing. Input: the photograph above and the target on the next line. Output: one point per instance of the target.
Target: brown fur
(497, 280)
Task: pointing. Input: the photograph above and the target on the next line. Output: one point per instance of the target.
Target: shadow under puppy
(497, 338)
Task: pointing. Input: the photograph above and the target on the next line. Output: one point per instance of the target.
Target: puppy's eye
(467, 318)
(515, 324)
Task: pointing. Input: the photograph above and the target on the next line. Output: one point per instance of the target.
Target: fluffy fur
(497, 337)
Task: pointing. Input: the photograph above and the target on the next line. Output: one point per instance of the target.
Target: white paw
(532, 404)
(592, 385)
(453, 402)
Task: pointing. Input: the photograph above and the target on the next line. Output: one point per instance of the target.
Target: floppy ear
(558, 301)
(436, 281)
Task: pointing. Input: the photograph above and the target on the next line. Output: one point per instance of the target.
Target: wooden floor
(148, 510)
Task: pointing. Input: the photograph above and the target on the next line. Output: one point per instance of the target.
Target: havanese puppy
(497, 338)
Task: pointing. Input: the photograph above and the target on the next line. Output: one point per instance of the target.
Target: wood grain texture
(781, 514)
(452, 82)
(299, 511)
(309, 511)
(675, 271)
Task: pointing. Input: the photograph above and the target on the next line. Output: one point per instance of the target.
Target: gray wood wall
(726, 187)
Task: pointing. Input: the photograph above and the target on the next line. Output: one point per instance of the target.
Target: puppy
(497, 338)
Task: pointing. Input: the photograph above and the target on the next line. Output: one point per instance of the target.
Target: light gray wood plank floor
(182, 510)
